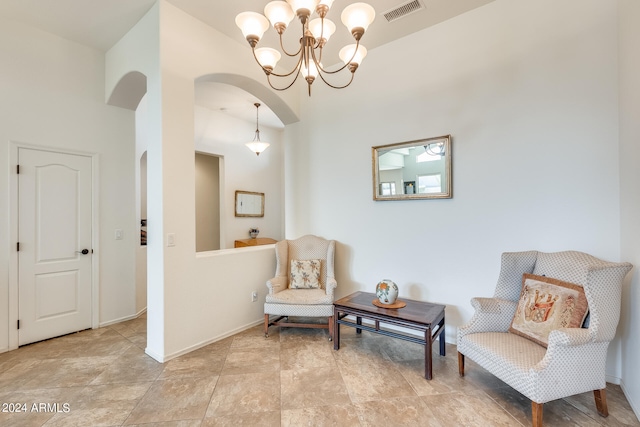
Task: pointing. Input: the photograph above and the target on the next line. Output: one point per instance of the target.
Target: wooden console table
(417, 315)
(243, 243)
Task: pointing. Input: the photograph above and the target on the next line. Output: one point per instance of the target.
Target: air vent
(403, 10)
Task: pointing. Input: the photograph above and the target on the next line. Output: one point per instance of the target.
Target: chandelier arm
(335, 87)
(319, 41)
(304, 59)
(285, 50)
(283, 88)
(317, 62)
(306, 51)
(355, 51)
(296, 68)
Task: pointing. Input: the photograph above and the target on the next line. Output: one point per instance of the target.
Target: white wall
(297, 194)
(53, 96)
(140, 160)
(530, 99)
(188, 279)
(178, 280)
(139, 51)
(629, 56)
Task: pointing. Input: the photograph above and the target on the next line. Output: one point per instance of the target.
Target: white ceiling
(221, 15)
(101, 23)
(95, 23)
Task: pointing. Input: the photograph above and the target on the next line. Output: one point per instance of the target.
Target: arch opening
(129, 91)
(280, 108)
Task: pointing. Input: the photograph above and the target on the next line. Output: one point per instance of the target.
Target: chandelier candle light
(315, 34)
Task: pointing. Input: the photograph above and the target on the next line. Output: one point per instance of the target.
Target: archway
(286, 115)
(129, 91)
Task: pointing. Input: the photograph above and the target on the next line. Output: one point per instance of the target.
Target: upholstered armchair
(574, 360)
(304, 284)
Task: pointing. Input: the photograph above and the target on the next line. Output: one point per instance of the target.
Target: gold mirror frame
(398, 173)
(249, 204)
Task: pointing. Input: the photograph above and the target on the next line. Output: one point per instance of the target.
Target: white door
(54, 235)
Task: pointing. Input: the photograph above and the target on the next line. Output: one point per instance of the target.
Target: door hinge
(18, 246)
(18, 169)
(18, 323)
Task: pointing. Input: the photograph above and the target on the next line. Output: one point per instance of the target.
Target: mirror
(410, 170)
(249, 204)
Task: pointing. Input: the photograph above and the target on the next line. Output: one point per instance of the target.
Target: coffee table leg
(358, 322)
(336, 329)
(428, 341)
(442, 343)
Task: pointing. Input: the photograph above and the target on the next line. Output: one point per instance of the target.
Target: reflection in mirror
(249, 204)
(418, 169)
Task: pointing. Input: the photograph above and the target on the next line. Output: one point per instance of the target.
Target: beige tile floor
(293, 378)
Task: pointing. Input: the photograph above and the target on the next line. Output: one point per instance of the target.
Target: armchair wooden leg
(266, 325)
(601, 402)
(536, 414)
(461, 364)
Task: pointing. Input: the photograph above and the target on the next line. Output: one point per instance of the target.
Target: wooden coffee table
(422, 316)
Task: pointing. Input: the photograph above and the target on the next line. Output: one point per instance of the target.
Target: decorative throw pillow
(546, 304)
(305, 274)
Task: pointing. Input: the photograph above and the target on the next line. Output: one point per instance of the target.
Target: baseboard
(123, 319)
(206, 343)
(634, 407)
(155, 356)
(612, 379)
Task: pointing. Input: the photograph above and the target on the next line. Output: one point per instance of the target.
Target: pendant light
(256, 145)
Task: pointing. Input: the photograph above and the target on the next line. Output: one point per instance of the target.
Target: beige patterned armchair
(574, 361)
(293, 291)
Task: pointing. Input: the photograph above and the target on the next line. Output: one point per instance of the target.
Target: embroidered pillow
(305, 274)
(546, 304)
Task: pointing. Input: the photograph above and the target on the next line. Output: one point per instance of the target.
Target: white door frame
(13, 235)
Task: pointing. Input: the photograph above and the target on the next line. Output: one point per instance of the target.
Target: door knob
(83, 252)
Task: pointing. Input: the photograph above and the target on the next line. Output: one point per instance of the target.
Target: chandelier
(314, 36)
(256, 145)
